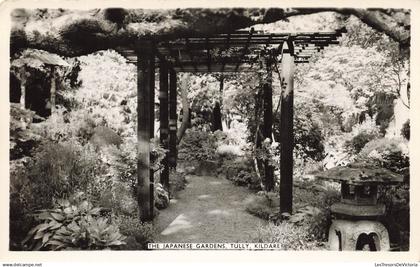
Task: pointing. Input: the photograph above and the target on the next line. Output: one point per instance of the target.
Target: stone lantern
(355, 225)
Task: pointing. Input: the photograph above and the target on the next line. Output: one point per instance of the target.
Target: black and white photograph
(209, 128)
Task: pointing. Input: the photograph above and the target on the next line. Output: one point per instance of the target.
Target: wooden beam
(145, 111)
(172, 53)
(245, 47)
(188, 47)
(172, 119)
(164, 121)
(208, 55)
(226, 48)
(268, 127)
(286, 131)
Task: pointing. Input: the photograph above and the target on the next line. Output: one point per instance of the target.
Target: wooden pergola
(229, 52)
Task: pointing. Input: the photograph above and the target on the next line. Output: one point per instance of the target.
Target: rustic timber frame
(228, 52)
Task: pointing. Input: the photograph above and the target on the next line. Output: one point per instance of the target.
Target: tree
(74, 32)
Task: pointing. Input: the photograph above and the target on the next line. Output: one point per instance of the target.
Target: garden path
(209, 209)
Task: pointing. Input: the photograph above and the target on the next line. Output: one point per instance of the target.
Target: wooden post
(286, 131)
(268, 127)
(173, 126)
(164, 121)
(52, 90)
(145, 111)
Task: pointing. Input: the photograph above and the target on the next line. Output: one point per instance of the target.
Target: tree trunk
(164, 121)
(268, 130)
(185, 108)
(217, 117)
(53, 89)
(104, 32)
(217, 112)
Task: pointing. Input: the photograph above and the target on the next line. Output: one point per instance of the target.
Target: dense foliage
(73, 226)
(344, 106)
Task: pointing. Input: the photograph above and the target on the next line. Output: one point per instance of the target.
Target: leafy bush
(389, 153)
(197, 145)
(362, 134)
(264, 205)
(249, 179)
(157, 154)
(240, 172)
(229, 151)
(56, 171)
(314, 219)
(312, 202)
(405, 130)
(356, 144)
(161, 197)
(231, 167)
(118, 199)
(138, 234)
(22, 137)
(59, 170)
(311, 205)
(64, 125)
(104, 136)
(397, 218)
(123, 162)
(73, 226)
(308, 134)
(308, 137)
(393, 154)
(290, 236)
(177, 182)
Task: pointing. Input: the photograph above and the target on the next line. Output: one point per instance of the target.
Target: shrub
(392, 154)
(65, 125)
(123, 162)
(231, 167)
(312, 203)
(56, 171)
(118, 198)
(59, 170)
(22, 137)
(308, 136)
(397, 218)
(76, 225)
(405, 130)
(389, 153)
(197, 145)
(161, 197)
(356, 144)
(177, 183)
(229, 151)
(264, 205)
(246, 178)
(290, 236)
(104, 136)
(138, 234)
(361, 134)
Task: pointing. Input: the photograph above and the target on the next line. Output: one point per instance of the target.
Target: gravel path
(209, 209)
